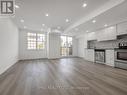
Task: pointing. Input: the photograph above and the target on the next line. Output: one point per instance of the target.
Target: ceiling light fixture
(16, 6)
(111, 27)
(47, 14)
(43, 24)
(67, 20)
(105, 25)
(22, 20)
(25, 27)
(87, 31)
(94, 21)
(84, 5)
(58, 27)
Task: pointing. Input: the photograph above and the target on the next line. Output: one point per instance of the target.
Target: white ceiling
(111, 17)
(33, 12)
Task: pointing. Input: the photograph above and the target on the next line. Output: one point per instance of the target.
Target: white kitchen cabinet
(89, 55)
(91, 36)
(122, 28)
(107, 34)
(110, 58)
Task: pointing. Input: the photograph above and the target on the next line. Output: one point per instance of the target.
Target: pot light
(84, 5)
(87, 31)
(21, 20)
(67, 20)
(47, 14)
(58, 27)
(16, 6)
(94, 21)
(112, 27)
(25, 27)
(105, 25)
(43, 24)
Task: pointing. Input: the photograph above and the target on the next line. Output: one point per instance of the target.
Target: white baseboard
(6, 68)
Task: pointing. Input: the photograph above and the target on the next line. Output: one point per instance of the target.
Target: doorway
(66, 46)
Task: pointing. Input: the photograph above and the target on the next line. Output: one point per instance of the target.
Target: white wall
(75, 47)
(8, 44)
(81, 47)
(24, 53)
(82, 44)
(51, 51)
(53, 45)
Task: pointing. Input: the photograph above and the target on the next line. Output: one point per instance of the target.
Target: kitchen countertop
(103, 48)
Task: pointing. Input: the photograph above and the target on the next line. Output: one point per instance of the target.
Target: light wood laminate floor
(68, 76)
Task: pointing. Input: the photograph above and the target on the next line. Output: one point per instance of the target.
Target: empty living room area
(63, 47)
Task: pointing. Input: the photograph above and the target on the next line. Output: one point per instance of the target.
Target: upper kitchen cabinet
(107, 34)
(122, 28)
(91, 36)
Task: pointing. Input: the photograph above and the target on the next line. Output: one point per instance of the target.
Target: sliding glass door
(66, 46)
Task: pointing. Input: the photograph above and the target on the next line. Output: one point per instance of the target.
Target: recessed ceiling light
(112, 27)
(105, 25)
(58, 27)
(87, 31)
(16, 6)
(67, 20)
(94, 21)
(43, 24)
(47, 14)
(25, 27)
(22, 20)
(84, 5)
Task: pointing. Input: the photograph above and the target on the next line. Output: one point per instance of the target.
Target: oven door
(121, 55)
(121, 59)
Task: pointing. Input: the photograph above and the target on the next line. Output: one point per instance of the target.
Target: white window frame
(32, 44)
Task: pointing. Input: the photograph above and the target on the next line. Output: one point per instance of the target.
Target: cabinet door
(110, 57)
(122, 28)
(89, 55)
(107, 34)
(91, 36)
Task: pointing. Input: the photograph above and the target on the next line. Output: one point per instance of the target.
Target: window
(35, 41)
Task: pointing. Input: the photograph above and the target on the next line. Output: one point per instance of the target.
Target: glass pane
(40, 45)
(63, 45)
(40, 41)
(69, 41)
(35, 41)
(63, 41)
(31, 40)
(66, 45)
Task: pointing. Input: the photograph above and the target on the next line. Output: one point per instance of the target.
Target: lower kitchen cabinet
(110, 58)
(89, 55)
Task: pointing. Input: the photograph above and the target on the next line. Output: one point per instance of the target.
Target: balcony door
(66, 46)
